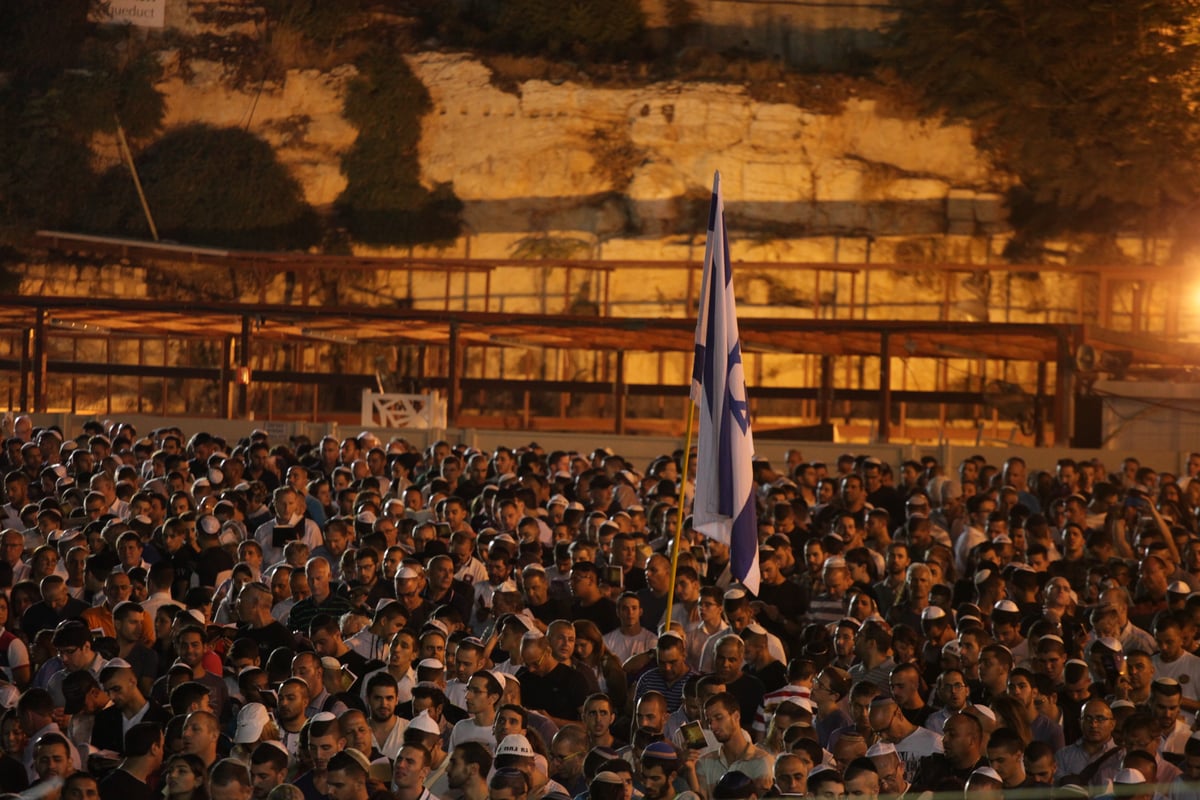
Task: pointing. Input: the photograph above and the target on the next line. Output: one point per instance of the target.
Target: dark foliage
(67, 81)
(384, 201)
(1091, 105)
(587, 30)
(205, 185)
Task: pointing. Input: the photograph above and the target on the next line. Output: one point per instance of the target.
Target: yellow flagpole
(687, 452)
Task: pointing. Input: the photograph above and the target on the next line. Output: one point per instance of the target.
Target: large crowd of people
(204, 619)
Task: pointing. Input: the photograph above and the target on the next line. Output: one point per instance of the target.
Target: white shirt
(918, 744)
(1174, 741)
(962, 548)
(11, 517)
(310, 535)
(625, 647)
(391, 745)
(28, 754)
(465, 730)
(154, 602)
(404, 686)
(456, 693)
(280, 610)
(697, 638)
(54, 685)
(369, 646)
(1185, 669)
(472, 572)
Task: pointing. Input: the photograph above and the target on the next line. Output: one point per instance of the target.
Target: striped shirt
(773, 700)
(824, 609)
(655, 681)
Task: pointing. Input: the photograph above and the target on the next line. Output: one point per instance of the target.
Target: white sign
(141, 13)
(426, 411)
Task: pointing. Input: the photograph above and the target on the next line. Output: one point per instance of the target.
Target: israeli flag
(724, 504)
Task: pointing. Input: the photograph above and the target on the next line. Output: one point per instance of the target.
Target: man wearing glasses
(954, 693)
(74, 643)
(548, 685)
(912, 743)
(1095, 749)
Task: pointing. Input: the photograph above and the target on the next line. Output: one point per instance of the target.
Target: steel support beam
(885, 388)
(39, 361)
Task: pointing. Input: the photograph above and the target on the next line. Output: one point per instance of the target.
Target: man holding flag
(724, 504)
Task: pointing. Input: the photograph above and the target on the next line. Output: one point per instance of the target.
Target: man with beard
(963, 754)
(268, 768)
(129, 625)
(294, 695)
(386, 728)
(500, 561)
(467, 774)
(408, 591)
(660, 767)
(347, 774)
(129, 707)
(736, 752)
(324, 741)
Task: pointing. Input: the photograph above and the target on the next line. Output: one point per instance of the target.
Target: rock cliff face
(301, 116)
(531, 160)
(626, 170)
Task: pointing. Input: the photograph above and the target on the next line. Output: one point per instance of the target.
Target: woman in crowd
(590, 650)
(186, 778)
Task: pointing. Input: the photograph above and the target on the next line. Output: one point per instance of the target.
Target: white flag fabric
(724, 503)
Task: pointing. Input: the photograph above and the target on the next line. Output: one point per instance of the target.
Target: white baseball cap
(250, 722)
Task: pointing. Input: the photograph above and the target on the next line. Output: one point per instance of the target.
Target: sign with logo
(142, 13)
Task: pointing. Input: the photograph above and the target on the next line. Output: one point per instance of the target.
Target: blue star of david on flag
(724, 504)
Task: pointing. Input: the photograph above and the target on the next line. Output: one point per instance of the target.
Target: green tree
(65, 81)
(384, 201)
(205, 185)
(587, 29)
(1090, 105)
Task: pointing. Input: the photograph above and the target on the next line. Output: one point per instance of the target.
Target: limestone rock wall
(532, 160)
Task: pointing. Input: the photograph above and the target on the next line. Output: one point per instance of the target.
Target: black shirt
(554, 608)
(749, 692)
(268, 637)
(120, 785)
(211, 562)
(773, 676)
(603, 612)
(108, 731)
(560, 693)
(40, 616)
(653, 608)
(460, 595)
(12, 774)
(935, 773)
